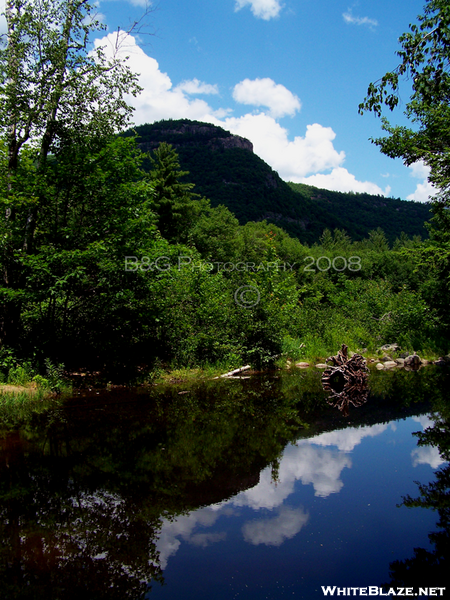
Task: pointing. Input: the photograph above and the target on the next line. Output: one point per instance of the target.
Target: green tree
(425, 59)
(176, 205)
(55, 94)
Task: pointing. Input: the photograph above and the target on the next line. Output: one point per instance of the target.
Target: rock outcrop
(194, 134)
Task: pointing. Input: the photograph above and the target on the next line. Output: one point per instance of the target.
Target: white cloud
(265, 92)
(427, 455)
(262, 9)
(306, 463)
(183, 527)
(340, 180)
(425, 189)
(159, 99)
(347, 439)
(349, 18)
(292, 159)
(424, 420)
(274, 531)
(194, 86)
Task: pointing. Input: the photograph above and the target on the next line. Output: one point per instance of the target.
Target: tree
(55, 92)
(425, 62)
(173, 200)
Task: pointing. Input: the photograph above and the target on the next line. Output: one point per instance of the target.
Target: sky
(286, 74)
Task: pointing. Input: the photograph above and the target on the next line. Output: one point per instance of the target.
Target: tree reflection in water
(430, 568)
(85, 490)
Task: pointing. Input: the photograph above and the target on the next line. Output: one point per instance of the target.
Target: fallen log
(231, 373)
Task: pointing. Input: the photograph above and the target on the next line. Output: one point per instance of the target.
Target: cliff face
(182, 133)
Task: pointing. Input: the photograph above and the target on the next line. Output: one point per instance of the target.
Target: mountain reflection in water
(254, 488)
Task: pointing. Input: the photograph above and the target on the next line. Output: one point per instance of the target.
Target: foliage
(111, 262)
(230, 174)
(424, 58)
(424, 54)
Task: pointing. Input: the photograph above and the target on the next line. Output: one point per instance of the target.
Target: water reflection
(434, 449)
(99, 498)
(346, 380)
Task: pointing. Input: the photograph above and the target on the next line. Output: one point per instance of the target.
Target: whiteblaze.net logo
(397, 592)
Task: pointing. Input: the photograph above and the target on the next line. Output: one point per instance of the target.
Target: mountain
(225, 169)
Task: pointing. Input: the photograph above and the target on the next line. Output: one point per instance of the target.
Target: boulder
(390, 348)
(380, 366)
(385, 358)
(413, 360)
(390, 364)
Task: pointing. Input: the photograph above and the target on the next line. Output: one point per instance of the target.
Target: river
(230, 489)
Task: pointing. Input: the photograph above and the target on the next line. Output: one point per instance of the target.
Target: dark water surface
(246, 489)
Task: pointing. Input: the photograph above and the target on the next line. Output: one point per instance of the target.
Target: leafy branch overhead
(425, 61)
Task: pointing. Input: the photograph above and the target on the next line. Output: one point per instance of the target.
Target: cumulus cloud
(159, 98)
(307, 463)
(265, 92)
(352, 20)
(274, 531)
(183, 527)
(340, 180)
(347, 439)
(262, 9)
(427, 455)
(194, 86)
(292, 159)
(423, 190)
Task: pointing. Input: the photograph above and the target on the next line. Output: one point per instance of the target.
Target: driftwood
(231, 373)
(346, 380)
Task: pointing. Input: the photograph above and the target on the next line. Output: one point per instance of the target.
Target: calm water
(246, 489)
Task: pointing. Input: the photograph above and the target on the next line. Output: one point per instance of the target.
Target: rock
(440, 362)
(390, 364)
(413, 360)
(404, 354)
(390, 348)
(321, 366)
(385, 358)
(400, 361)
(380, 366)
(302, 365)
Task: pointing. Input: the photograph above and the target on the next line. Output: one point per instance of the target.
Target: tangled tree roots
(346, 380)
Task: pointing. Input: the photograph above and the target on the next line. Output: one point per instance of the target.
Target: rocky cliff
(193, 133)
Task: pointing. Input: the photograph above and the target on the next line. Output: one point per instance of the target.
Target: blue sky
(286, 74)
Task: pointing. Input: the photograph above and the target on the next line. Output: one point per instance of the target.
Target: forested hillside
(225, 170)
